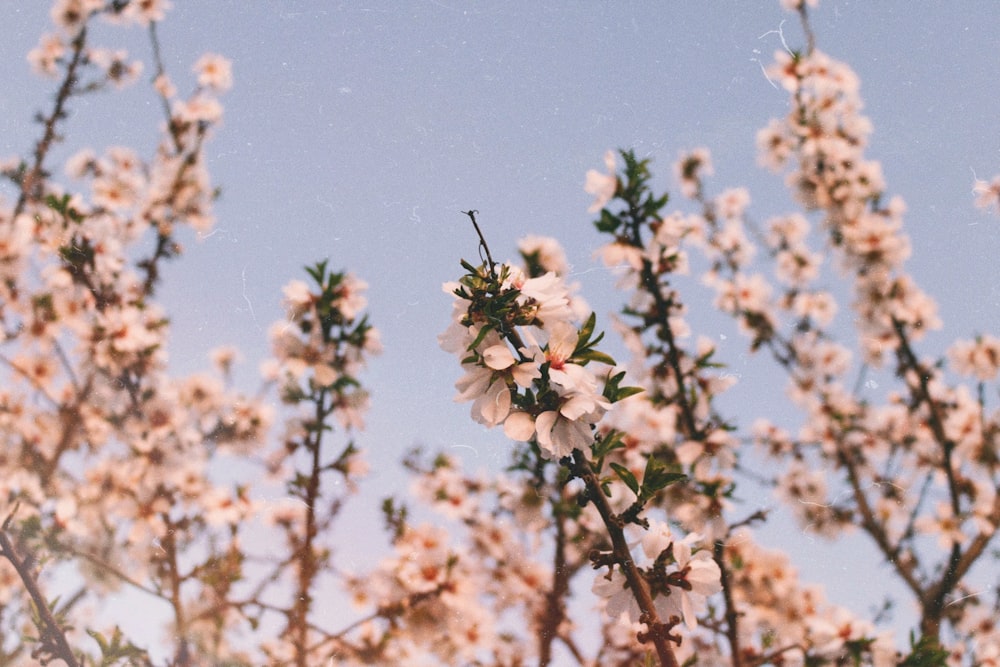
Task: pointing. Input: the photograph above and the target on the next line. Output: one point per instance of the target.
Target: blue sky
(357, 131)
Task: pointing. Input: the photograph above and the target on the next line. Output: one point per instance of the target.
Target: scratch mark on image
(246, 298)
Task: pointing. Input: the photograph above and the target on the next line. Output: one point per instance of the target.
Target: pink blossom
(987, 193)
(602, 186)
(559, 435)
(214, 72)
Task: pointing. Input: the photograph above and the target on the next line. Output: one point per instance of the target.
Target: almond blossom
(602, 186)
(689, 578)
(122, 476)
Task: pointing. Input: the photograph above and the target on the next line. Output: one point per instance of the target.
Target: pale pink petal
(519, 426)
(498, 357)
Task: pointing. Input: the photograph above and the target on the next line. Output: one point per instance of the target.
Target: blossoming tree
(624, 479)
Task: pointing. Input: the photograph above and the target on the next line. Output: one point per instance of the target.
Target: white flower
(560, 435)
(214, 72)
(701, 572)
(795, 5)
(45, 57)
(298, 298)
(562, 344)
(690, 168)
(656, 540)
(616, 254)
(498, 357)
(602, 186)
(350, 298)
(199, 109)
(490, 394)
(547, 293)
(146, 12)
(619, 598)
(519, 426)
(551, 256)
(457, 337)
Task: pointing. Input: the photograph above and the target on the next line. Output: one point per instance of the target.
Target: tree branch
(52, 638)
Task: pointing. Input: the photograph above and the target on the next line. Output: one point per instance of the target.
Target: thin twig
(482, 241)
(31, 180)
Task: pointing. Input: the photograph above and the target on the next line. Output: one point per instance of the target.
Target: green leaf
(626, 476)
(625, 392)
(586, 331)
(592, 355)
(608, 223)
(657, 477)
(101, 642)
(317, 272)
(615, 393)
(479, 338)
(927, 652)
(607, 444)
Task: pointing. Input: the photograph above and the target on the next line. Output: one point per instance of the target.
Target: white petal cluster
(691, 575)
(538, 357)
(602, 186)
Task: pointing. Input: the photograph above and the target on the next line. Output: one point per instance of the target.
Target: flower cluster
(448, 594)
(826, 134)
(525, 359)
(117, 474)
(680, 576)
(320, 348)
(928, 436)
(111, 463)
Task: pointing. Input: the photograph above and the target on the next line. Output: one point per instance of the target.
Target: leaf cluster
(639, 202)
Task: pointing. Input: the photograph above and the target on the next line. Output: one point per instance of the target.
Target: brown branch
(31, 181)
(161, 71)
(659, 632)
(933, 598)
(664, 333)
(573, 649)
(732, 615)
(103, 565)
(807, 28)
(872, 526)
(52, 636)
(183, 657)
(305, 558)
(555, 610)
(958, 566)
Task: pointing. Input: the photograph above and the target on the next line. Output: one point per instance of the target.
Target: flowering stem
(31, 183)
(183, 657)
(659, 632)
(932, 601)
(52, 636)
(161, 71)
(307, 566)
(660, 317)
